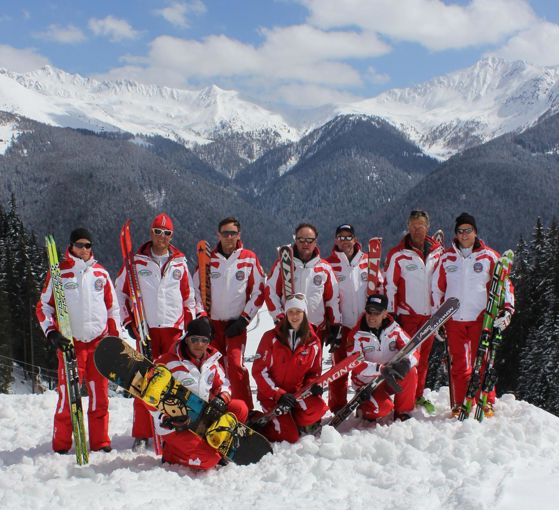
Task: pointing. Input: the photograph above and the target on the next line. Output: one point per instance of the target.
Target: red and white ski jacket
(238, 285)
(408, 277)
(468, 279)
(315, 279)
(377, 350)
(205, 378)
(352, 283)
(167, 292)
(90, 298)
(278, 370)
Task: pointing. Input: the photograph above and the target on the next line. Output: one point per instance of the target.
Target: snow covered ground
(508, 462)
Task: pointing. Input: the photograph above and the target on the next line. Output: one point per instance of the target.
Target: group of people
(330, 308)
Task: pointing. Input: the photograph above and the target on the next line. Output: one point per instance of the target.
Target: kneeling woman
(288, 358)
(196, 365)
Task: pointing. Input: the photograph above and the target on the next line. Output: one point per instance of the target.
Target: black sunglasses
(161, 231)
(306, 240)
(229, 233)
(195, 339)
(87, 246)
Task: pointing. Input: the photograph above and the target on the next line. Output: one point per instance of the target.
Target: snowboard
(126, 367)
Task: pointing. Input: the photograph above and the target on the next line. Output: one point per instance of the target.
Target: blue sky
(300, 53)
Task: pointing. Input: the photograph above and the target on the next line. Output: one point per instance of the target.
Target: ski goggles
(195, 339)
(87, 246)
(468, 230)
(162, 232)
(299, 296)
(344, 238)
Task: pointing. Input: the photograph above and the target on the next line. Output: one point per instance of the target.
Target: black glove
(285, 403)
(59, 341)
(365, 393)
(393, 372)
(217, 407)
(131, 332)
(440, 335)
(334, 337)
(177, 423)
(317, 390)
(236, 327)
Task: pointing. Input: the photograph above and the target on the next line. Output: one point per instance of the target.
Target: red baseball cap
(162, 220)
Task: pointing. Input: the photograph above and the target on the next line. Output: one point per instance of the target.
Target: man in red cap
(169, 302)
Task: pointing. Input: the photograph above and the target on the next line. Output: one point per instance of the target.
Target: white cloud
(432, 23)
(537, 45)
(114, 29)
(373, 76)
(21, 60)
(63, 35)
(177, 13)
(312, 95)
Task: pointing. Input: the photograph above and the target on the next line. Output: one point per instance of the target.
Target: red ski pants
(162, 339)
(337, 390)
(233, 350)
(188, 449)
(381, 403)
(411, 324)
(98, 409)
(463, 341)
(286, 426)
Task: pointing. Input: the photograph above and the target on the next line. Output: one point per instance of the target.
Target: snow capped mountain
(455, 111)
(190, 117)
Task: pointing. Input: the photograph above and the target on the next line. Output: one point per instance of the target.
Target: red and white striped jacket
(468, 279)
(167, 292)
(205, 379)
(278, 370)
(238, 285)
(408, 277)
(317, 281)
(352, 283)
(90, 298)
(377, 351)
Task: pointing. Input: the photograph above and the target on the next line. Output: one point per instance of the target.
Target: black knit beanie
(199, 327)
(465, 219)
(80, 233)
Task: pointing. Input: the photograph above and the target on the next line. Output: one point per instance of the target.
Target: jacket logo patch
(369, 348)
(317, 280)
(240, 276)
(177, 274)
(71, 285)
(364, 276)
(478, 267)
(188, 381)
(210, 379)
(99, 284)
(451, 269)
(411, 267)
(215, 274)
(341, 277)
(392, 345)
(144, 272)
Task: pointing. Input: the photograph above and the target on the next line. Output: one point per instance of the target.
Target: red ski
(373, 265)
(204, 272)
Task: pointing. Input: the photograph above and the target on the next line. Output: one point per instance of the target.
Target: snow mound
(429, 462)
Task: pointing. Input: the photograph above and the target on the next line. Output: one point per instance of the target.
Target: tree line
(528, 359)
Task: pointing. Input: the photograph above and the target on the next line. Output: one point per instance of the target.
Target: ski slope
(508, 462)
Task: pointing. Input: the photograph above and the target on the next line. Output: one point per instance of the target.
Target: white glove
(502, 321)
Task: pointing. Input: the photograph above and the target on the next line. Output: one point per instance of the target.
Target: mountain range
(77, 150)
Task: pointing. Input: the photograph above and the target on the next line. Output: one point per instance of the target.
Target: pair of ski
(489, 341)
(73, 387)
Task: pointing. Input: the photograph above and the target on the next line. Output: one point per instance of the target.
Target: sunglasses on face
(305, 240)
(87, 246)
(468, 230)
(199, 339)
(229, 233)
(162, 232)
(344, 238)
